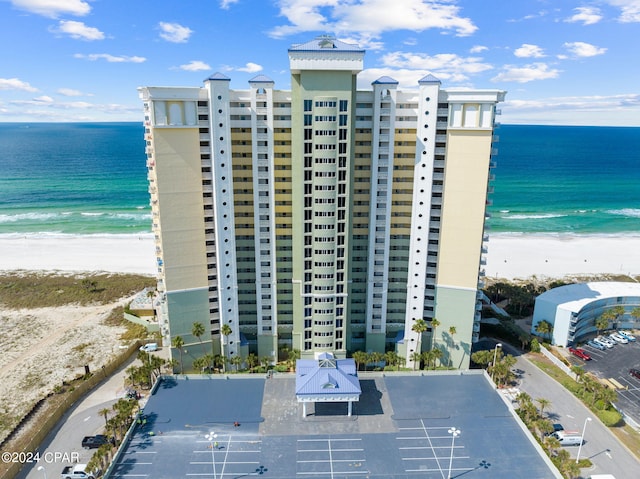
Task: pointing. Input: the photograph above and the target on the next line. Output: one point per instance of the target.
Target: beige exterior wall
(180, 207)
(463, 208)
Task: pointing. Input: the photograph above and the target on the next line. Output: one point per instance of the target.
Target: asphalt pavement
(604, 450)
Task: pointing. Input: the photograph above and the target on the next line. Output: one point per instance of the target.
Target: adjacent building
(572, 310)
(324, 218)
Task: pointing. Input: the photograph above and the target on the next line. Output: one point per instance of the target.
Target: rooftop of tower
(325, 43)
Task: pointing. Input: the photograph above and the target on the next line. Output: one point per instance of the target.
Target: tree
(602, 321)
(177, 342)
(392, 359)
(104, 413)
(434, 324)
(436, 354)
(197, 330)
(360, 357)
(544, 328)
(416, 357)
(252, 361)
(236, 361)
(419, 326)
(617, 312)
(225, 330)
(543, 403)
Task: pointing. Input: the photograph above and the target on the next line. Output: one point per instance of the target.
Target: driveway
(601, 446)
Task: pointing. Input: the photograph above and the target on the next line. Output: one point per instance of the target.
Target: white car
(606, 341)
(149, 347)
(627, 335)
(619, 338)
(602, 343)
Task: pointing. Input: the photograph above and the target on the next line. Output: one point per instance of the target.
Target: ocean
(90, 179)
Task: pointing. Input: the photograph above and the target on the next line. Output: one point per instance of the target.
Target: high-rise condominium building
(324, 218)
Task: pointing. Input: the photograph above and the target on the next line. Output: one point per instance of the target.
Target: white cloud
(582, 49)
(195, 66)
(69, 92)
(110, 58)
(174, 32)
(446, 66)
(43, 99)
(529, 51)
(53, 8)
(250, 68)
(79, 30)
(224, 4)
(585, 15)
(15, 84)
(527, 73)
(371, 17)
(478, 49)
(630, 10)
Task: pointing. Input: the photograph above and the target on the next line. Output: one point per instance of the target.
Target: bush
(535, 346)
(610, 418)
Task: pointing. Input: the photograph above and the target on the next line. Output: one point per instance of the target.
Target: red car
(581, 353)
(635, 373)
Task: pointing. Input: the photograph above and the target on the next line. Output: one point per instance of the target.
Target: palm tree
(419, 326)
(392, 359)
(543, 403)
(197, 329)
(434, 324)
(436, 354)
(252, 361)
(225, 330)
(415, 357)
(360, 357)
(544, 328)
(602, 321)
(236, 361)
(177, 342)
(617, 312)
(104, 413)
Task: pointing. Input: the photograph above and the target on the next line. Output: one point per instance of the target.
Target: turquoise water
(90, 179)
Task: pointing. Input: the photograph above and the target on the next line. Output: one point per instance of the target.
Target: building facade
(324, 218)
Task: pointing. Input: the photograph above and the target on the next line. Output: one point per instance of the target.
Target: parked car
(597, 345)
(627, 335)
(568, 438)
(607, 341)
(78, 471)
(602, 343)
(147, 348)
(94, 442)
(581, 353)
(635, 373)
(618, 338)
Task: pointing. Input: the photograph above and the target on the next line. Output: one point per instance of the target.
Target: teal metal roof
(327, 375)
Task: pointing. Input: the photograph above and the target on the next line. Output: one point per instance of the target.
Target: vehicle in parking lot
(606, 341)
(635, 373)
(618, 338)
(149, 347)
(94, 442)
(568, 438)
(602, 343)
(595, 344)
(581, 353)
(627, 335)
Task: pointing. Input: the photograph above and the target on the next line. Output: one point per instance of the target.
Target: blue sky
(562, 61)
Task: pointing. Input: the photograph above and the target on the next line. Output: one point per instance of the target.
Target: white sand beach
(110, 253)
(510, 256)
(556, 256)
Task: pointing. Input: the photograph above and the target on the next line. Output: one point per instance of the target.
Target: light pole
(44, 471)
(454, 433)
(584, 428)
(495, 357)
(211, 437)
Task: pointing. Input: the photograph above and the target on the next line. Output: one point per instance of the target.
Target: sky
(562, 62)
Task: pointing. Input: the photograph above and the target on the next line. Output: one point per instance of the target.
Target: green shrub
(535, 346)
(610, 418)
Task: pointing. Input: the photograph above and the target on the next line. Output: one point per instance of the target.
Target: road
(601, 446)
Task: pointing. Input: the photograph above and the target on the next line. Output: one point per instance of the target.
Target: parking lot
(614, 364)
(402, 428)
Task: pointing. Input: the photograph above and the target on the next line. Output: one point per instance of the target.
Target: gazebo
(327, 379)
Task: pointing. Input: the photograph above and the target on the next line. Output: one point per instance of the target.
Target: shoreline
(510, 255)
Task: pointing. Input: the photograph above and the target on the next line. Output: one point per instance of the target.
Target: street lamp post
(454, 433)
(584, 428)
(211, 437)
(495, 358)
(44, 471)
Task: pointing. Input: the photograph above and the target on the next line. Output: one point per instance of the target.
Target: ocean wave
(629, 212)
(91, 214)
(27, 217)
(541, 216)
(133, 216)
